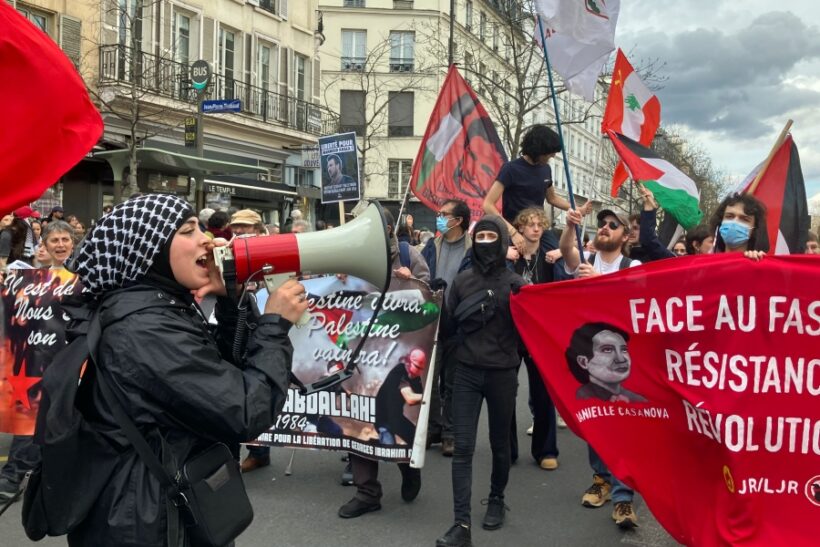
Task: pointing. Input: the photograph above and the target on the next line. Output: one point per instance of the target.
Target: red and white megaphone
(359, 248)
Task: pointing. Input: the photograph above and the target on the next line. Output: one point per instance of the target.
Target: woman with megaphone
(143, 264)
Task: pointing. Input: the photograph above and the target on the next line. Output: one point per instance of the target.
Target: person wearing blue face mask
(446, 255)
(740, 226)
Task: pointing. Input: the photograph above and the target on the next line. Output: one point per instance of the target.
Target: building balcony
(162, 77)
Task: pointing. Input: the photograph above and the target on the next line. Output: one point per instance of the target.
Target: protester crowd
(148, 312)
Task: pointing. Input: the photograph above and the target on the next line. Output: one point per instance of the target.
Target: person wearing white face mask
(740, 226)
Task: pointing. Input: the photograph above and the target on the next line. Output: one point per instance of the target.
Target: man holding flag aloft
(526, 181)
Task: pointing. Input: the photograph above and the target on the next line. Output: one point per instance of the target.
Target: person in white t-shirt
(610, 240)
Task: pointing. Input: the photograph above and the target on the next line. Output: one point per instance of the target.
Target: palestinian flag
(673, 190)
(782, 190)
(461, 154)
(49, 122)
(631, 110)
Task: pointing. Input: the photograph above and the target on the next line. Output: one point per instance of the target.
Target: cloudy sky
(736, 72)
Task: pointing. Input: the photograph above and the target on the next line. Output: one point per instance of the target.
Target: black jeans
(544, 443)
(470, 387)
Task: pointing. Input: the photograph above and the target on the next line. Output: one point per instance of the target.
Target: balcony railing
(353, 64)
(401, 65)
(167, 78)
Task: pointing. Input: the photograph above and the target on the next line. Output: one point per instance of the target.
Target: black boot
(494, 518)
(410, 482)
(457, 536)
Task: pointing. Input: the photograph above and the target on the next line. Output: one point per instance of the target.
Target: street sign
(200, 74)
(222, 105)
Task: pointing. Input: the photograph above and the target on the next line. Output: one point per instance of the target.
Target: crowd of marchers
(147, 264)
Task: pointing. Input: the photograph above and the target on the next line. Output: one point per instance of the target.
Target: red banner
(696, 380)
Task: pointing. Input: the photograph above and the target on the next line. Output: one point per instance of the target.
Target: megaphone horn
(359, 248)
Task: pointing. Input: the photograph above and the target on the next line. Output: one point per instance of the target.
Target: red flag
(461, 154)
(697, 385)
(631, 110)
(783, 191)
(49, 121)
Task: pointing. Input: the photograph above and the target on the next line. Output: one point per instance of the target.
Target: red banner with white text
(697, 381)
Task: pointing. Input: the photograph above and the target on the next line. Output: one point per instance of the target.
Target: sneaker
(447, 447)
(410, 483)
(252, 463)
(356, 508)
(597, 494)
(7, 490)
(494, 518)
(347, 475)
(550, 464)
(529, 430)
(457, 536)
(624, 515)
(560, 421)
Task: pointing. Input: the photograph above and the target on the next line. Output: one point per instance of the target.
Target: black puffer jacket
(496, 345)
(170, 372)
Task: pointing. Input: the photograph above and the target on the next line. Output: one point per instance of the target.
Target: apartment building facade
(384, 62)
(135, 56)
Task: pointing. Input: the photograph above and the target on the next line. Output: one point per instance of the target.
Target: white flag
(580, 35)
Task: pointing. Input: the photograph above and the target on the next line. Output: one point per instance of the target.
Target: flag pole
(570, 193)
(778, 143)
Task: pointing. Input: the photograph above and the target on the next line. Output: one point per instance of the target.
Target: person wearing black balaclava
(142, 266)
(487, 358)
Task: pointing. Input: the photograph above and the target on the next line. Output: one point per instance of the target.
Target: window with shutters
(400, 114)
(70, 38)
(468, 15)
(300, 63)
(227, 59)
(496, 37)
(482, 26)
(352, 111)
(398, 175)
(402, 46)
(354, 50)
(182, 38)
(277, 7)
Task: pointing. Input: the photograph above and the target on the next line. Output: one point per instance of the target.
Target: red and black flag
(49, 122)
(782, 189)
(461, 154)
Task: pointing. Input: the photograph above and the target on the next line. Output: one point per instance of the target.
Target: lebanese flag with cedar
(49, 122)
(631, 110)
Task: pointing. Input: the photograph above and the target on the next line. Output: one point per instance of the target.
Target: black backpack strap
(471, 304)
(625, 262)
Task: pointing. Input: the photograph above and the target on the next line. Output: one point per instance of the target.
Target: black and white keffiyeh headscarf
(124, 244)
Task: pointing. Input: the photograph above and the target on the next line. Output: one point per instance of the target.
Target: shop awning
(174, 163)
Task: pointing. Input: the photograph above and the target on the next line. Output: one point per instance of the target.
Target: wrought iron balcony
(166, 78)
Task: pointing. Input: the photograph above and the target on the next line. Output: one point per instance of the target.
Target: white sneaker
(560, 421)
(529, 430)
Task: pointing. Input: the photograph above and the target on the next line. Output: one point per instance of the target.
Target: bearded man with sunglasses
(610, 240)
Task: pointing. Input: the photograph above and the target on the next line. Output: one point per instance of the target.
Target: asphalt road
(300, 509)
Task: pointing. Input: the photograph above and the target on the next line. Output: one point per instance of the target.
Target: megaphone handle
(273, 282)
